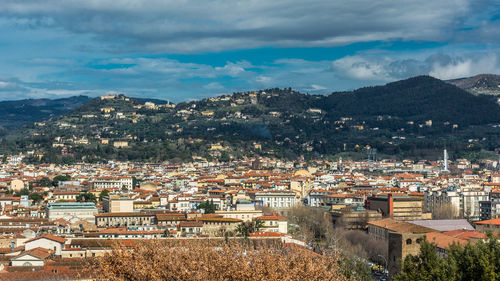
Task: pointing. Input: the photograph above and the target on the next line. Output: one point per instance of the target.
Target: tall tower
(445, 158)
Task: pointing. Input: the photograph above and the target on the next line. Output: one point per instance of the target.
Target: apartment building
(276, 199)
(403, 208)
(113, 183)
(117, 204)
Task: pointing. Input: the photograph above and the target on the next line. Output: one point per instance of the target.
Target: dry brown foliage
(184, 260)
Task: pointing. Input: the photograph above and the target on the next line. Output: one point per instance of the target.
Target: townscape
(152, 140)
(57, 216)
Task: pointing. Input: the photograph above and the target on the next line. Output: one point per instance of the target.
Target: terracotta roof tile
(443, 241)
(50, 237)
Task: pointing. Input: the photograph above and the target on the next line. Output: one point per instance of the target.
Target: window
(408, 241)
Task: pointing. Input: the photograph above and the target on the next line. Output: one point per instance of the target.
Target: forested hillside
(416, 118)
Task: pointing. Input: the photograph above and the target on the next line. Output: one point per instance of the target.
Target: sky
(192, 49)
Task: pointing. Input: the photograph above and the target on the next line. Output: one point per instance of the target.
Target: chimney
(390, 205)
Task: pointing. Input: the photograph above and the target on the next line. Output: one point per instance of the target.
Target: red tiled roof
(271, 217)
(492, 222)
(47, 273)
(9, 250)
(191, 224)
(466, 234)
(443, 241)
(266, 234)
(39, 252)
(218, 219)
(50, 237)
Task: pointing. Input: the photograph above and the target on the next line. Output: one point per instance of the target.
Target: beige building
(16, 185)
(244, 215)
(124, 219)
(213, 225)
(117, 204)
(120, 144)
(402, 208)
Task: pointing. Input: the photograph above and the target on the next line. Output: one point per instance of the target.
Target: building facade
(61, 210)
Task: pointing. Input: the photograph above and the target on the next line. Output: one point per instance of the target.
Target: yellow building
(107, 109)
(207, 113)
(120, 144)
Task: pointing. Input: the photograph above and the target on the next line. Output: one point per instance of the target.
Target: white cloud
(464, 67)
(442, 66)
(315, 87)
(214, 86)
(233, 69)
(360, 68)
(176, 80)
(265, 80)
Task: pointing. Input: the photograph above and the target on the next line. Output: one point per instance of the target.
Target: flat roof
(444, 225)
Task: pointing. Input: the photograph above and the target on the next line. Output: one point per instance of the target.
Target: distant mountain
(485, 84)
(415, 117)
(14, 114)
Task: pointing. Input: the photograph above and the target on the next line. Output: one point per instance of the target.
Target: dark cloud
(200, 26)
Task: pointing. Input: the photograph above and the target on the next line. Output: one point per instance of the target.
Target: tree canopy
(86, 197)
(208, 206)
(479, 261)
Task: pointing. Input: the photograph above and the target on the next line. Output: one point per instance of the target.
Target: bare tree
(316, 227)
(445, 211)
(185, 260)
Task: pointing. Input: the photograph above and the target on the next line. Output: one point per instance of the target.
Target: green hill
(416, 99)
(409, 118)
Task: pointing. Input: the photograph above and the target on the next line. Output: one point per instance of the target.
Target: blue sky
(191, 49)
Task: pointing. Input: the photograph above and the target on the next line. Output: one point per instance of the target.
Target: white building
(112, 182)
(274, 223)
(465, 201)
(47, 241)
(276, 199)
(34, 257)
(67, 210)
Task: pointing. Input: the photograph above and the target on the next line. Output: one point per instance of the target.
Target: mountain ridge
(18, 113)
(410, 117)
(482, 84)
